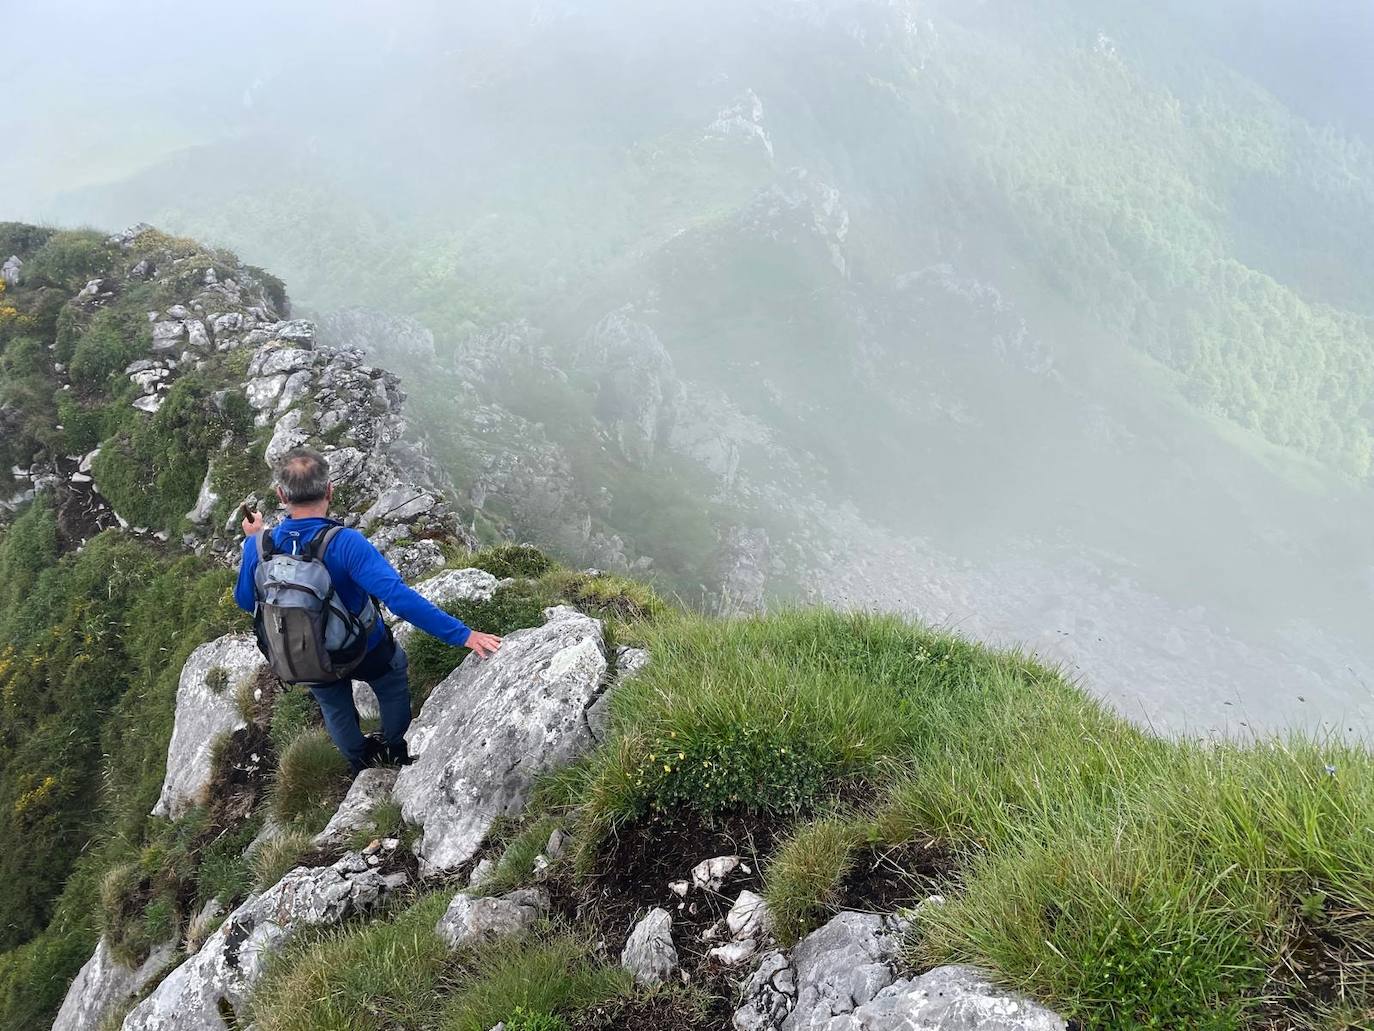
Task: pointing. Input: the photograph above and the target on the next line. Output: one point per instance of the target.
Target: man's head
(303, 482)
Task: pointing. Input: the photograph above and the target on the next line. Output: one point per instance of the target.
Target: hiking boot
(374, 751)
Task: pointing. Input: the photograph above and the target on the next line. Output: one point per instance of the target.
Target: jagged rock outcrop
(104, 983)
(489, 729)
(217, 980)
(206, 708)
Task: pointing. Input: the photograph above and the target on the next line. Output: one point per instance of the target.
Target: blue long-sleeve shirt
(358, 570)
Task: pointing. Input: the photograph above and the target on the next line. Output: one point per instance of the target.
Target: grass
(516, 865)
(312, 779)
(1127, 880)
(276, 857)
(396, 974)
(384, 821)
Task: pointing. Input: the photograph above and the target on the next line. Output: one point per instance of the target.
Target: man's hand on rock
(484, 645)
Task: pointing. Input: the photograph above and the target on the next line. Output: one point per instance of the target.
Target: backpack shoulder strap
(321, 541)
(266, 547)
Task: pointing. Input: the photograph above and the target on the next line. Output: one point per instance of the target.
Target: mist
(1048, 322)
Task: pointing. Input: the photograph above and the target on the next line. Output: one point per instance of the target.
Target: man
(358, 571)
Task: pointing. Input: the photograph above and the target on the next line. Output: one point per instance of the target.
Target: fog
(1050, 322)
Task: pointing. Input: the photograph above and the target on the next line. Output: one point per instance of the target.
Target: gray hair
(303, 476)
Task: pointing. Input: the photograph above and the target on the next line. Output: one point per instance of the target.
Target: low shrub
(69, 259)
(522, 561)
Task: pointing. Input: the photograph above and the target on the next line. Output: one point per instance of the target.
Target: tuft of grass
(383, 974)
(548, 973)
(312, 778)
(516, 865)
(274, 859)
(384, 821)
(803, 878)
(607, 596)
(524, 1020)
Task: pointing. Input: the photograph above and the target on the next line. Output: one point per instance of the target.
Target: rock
(711, 874)
(88, 461)
(262, 393)
(400, 504)
(749, 917)
(271, 362)
(11, 270)
(196, 335)
(953, 998)
(482, 872)
(680, 888)
(297, 331)
(558, 842)
(734, 954)
(218, 980)
(471, 919)
(369, 788)
(167, 335)
(493, 726)
(104, 983)
(179, 312)
(205, 709)
(650, 953)
(289, 433)
(416, 559)
(149, 403)
(295, 389)
(833, 970)
(206, 500)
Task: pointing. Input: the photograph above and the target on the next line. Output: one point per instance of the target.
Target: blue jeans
(386, 670)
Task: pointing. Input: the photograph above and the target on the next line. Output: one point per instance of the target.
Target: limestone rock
(832, 971)
(400, 504)
(206, 501)
(205, 709)
(369, 789)
(711, 874)
(149, 403)
(953, 998)
(297, 331)
(11, 270)
(493, 726)
(220, 977)
(416, 559)
(103, 983)
(650, 953)
(168, 335)
(749, 917)
(470, 919)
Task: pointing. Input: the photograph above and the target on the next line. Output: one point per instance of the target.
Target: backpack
(305, 631)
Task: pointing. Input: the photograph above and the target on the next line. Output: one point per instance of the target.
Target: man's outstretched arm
(378, 577)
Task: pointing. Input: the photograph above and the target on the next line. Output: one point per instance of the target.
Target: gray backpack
(304, 630)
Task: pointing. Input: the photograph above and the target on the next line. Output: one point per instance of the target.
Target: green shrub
(106, 347)
(379, 975)
(512, 560)
(69, 259)
(275, 858)
(312, 778)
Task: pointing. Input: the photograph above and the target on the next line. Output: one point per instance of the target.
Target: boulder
(832, 971)
(149, 403)
(448, 587)
(217, 980)
(104, 983)
(493, 726)
(369, 789)
(290, 432)
(416, 559)
(650, 953)
(294, 390)
(168, 335)
(954, 998)
(400, 504)
(205, 710)
(281, 359)
(206, 501)
(300, 332)
(11, 270)
(472, 919)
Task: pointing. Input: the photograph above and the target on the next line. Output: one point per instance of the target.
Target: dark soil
(1328, 962)
(662, 1011)
(241, 777)
(885, 878)
(633, 878)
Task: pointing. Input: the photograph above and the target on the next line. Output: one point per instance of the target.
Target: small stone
(679, 888)
(711, 874)
(734, 954)
(650, 953)
(391, 844)
(749, 917)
